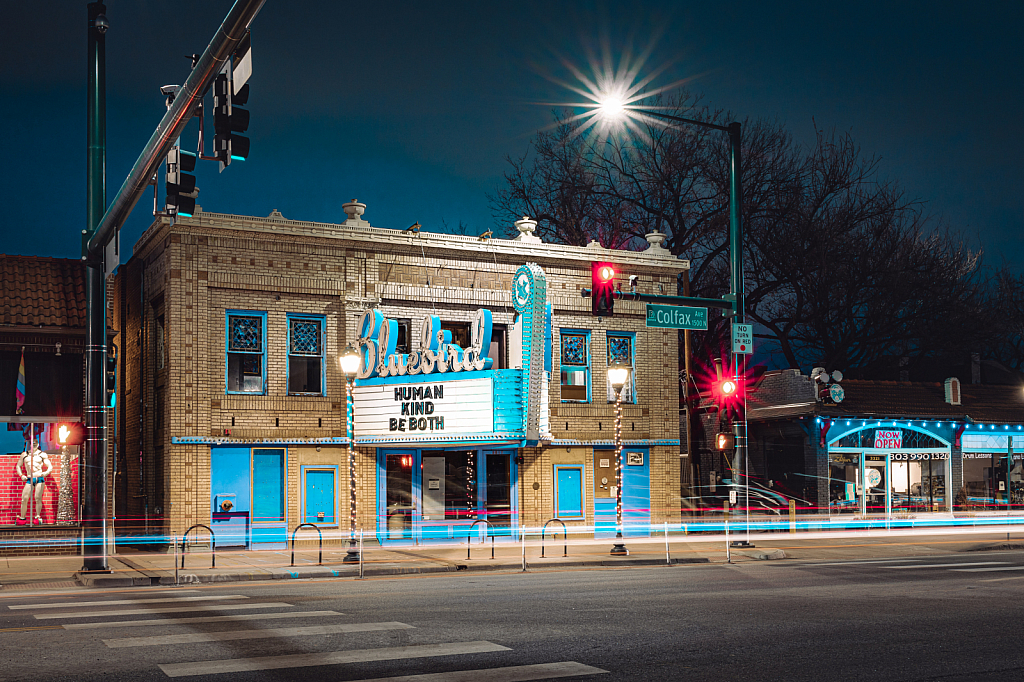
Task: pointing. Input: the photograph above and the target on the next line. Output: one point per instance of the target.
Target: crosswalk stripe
(973, 563)
(196, 637)
(120, 602)
(512, 673)
(159, 609)
(993, 568)
(234, 665)
(239, 617)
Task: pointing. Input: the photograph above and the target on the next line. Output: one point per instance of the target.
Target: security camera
(170, 92)
(102, 24)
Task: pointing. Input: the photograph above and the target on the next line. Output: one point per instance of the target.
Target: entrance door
(498, 503)
(229, 496)
(320, 499)
(569, 502)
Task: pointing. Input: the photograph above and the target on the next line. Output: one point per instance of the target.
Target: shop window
(246, 352)
(620, 348)
(575, 362)
(449, 485)
(305, 355)
(267, 485)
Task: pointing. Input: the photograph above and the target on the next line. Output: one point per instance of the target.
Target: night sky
(412, 107)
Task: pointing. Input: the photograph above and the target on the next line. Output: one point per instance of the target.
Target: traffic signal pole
(102, 223)
(94, 460)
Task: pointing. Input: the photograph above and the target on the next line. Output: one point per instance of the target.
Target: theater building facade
(481, 393)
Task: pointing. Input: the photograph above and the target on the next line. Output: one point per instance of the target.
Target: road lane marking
(513, 673)
(872, 561)
(159, 609)
(972, 563)
(996, 568)
(239, 617)
(303, 631)
(121, 602)
(236, 665)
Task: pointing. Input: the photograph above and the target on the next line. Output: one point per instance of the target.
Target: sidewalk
(139, 568)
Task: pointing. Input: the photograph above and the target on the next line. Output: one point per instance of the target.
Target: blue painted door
(268, 499)
(319, 497)
(636, 491)
(568, 492)
(229, 495)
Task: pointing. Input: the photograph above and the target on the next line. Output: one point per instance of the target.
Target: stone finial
(594, 244)
(276, 215)
(526, 228)
(354, 210)
(656, 239)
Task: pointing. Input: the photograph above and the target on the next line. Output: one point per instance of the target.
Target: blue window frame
(246, 352)
(574, 358)
(305, 355)
(622, 347)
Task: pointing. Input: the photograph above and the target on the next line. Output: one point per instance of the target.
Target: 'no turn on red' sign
(743, 339)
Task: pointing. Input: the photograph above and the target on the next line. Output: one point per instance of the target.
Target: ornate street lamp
(618, 375)
(349, 361)
(65, 513)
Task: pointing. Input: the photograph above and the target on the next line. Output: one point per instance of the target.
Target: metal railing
(320, 554)
(213, 544)
(565, 537)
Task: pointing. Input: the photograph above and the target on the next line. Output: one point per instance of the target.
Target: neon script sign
(378, 339)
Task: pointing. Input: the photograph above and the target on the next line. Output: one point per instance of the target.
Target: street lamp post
(349, 362)
(612, 107)
(618, 375)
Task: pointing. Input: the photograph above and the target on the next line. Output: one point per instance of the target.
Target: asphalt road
(951, 618)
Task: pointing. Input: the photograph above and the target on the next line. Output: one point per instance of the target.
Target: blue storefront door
(319, 507)
(229, 496)
(636, 495)
(569, 492)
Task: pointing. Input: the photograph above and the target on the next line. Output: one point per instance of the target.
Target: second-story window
(620, 349)
(246, 352)
(305, 355)
(575, 361)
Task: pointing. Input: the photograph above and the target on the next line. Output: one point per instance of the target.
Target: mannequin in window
(33, 468)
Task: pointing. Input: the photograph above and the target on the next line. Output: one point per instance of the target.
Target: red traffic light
(603, 291)
(727, 388)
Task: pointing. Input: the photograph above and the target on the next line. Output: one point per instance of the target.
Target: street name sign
(743, 339)
(677, 317)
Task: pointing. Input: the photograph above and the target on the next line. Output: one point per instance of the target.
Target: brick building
(42, 323)
(482, 392)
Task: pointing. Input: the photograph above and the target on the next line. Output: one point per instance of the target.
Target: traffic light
(181, 185)
(111, 374)
(602, 291)
(725, 442)
(229, 118)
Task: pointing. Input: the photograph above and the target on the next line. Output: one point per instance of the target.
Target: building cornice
(374, 238)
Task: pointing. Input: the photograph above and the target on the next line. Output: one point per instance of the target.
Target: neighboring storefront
(42, 331)
(887, 448)
(482, 399)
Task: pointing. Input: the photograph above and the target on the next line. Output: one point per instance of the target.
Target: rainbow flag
(19, 392)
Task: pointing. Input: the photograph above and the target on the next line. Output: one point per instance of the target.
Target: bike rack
(565, 537)
(469, 540)
(213, 544)
(320, 556)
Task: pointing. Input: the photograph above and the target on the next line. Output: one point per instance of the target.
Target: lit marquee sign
(413, 411)
(378, 338)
